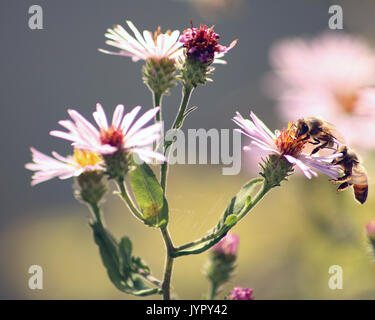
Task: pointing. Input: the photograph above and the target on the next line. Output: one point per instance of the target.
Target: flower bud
(241, 293)
(222, 260)
(275, 169)
(201, 48)
(117, 164)
(227, 246)
(370, 232)
(91, 187)
(160, 74)
(370, 229)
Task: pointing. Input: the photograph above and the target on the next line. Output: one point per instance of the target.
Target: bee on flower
(284, 144)
(332, 77)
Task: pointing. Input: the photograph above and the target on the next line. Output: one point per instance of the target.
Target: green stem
(186, 94)
(217, 236)
(168, 264)
(157, 98)
(213, 291)
(125, 196)
(97, 213)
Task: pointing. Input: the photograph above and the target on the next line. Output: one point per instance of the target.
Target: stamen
(287, 142)
(86, 158)
(112, 136)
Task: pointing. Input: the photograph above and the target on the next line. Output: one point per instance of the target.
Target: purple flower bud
(227, 246)
(241, 293)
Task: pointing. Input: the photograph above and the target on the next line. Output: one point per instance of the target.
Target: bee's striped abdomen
(360, 192)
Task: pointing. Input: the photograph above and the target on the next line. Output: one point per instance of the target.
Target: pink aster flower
(241, 293)
(123, 134)
(284, 144)
(157, 46)
(227, 246)
(330, 76)
(47, 167)
(202, 44)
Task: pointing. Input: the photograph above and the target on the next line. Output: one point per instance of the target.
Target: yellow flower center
(287, 143)
(85, 158)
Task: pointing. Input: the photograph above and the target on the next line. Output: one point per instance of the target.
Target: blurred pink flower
(47, 168)
(370, 228)
(330, 77)
(156, 46)
(228, 245)
(123, 134)
(241, 293)
(284, 144)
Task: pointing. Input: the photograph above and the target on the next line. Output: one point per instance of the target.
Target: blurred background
(288, 242)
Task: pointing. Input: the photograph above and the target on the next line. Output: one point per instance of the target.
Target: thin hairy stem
(157, 100)
(186, 94)
(168, 264)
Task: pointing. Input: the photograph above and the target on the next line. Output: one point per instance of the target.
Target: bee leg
(322, 146)
(343, 186)
(341, 179)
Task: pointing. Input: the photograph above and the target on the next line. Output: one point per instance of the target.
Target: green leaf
(138, 263)
(109, 253)
(227, 220)
(149, 195)
(230, 221)
(125, 254)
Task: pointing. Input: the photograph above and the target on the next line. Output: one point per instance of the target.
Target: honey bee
(354, 173)
(321, 133)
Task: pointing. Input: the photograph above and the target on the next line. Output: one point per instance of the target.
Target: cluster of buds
(222, 260)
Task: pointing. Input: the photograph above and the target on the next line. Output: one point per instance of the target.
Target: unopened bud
(275, 169)
(91, 187)
(160, 75)
(222, 260)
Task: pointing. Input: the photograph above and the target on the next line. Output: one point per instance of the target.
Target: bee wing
(359, 176)
(335, 133)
